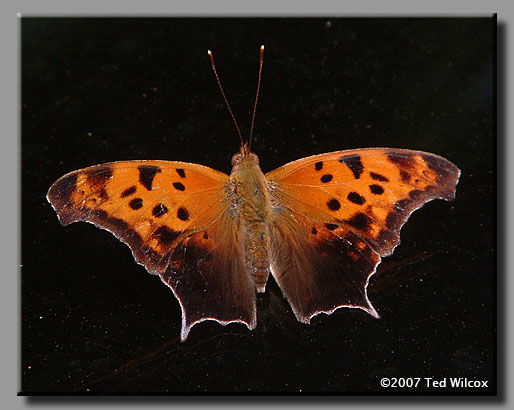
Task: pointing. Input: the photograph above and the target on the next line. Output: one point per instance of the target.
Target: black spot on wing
(376, 189)
(159, 210)
(179, 186)
(394, 220)
(98, 177)
(416, 194)
(128, 191)
(318, 165)
(360, 221)
(165, 235)
(326, 178)
(147, 174)
(183, 214)
(331, 227)
(314, 231)
(378, 177)
(136, 203)
(404, 175)
(103, 194)
(356, 198)
(333, 204)
(401, 160)
(181, 172)
(354, 163)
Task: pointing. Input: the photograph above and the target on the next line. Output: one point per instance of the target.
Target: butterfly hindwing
(318, 269)
(208, 275)
(336, 214)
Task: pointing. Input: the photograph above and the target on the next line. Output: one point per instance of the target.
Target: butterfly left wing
(209, 277)
(336, 214)
(318, 269)
(177, 220)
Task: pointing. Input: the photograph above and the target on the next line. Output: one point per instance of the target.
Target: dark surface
(96, 90)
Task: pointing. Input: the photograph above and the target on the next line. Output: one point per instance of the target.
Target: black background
(98, 90)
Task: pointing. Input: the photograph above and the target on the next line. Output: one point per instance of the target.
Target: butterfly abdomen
(253, 202)
(256, 246)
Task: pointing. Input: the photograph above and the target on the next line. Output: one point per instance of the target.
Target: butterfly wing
(176, 219)
(336, 214)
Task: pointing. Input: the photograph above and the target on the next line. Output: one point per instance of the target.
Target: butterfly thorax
(250, 194)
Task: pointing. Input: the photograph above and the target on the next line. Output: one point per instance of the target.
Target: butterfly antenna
(224, 96)
(256, 96)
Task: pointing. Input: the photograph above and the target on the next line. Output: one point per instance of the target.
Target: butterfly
(320, 225)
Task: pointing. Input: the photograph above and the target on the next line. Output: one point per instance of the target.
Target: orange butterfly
(320, 224)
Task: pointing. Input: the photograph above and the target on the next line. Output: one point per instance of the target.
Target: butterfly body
(250, 189)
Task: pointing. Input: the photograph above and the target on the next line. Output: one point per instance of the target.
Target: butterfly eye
(236, 159)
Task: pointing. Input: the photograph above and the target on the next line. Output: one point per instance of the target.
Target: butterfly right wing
(336, 214)
(177, 220)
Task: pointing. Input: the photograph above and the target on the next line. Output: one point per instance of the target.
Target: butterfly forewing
(371, 192)
(146, 204)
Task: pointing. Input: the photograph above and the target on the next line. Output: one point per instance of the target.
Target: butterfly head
(244, 156)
